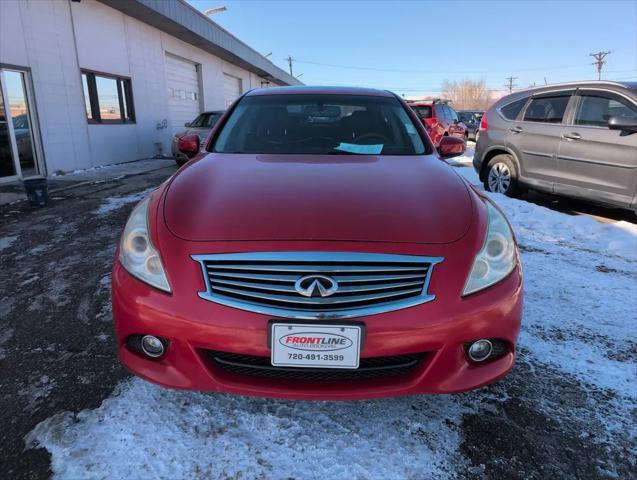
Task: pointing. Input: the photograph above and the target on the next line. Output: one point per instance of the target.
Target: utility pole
(599, 62)
(289, 59)
(511, 85)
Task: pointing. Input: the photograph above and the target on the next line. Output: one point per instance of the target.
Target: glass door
(18, 157)
(7, 164)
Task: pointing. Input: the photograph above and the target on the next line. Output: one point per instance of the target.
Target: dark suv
(439, 119)
(471, 118)
(576, 139)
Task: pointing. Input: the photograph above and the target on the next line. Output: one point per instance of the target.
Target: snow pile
(6, 242)
(581, 293)
(171, 434)
(113, 203)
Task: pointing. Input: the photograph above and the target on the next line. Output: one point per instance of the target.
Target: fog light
(480, 350)
(152, 346)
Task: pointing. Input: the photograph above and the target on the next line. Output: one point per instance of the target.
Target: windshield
(470, 117)
(206, 120)
(320, 124)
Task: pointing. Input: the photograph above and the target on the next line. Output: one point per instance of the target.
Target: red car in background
(440, 120)
(318, 249)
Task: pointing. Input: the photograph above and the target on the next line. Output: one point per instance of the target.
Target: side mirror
(625, 124)
(189, 144)
(187, 124)
(451, 147)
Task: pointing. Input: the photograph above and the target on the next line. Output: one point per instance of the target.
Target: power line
(511, 85)
(599, 62)
(397, 70)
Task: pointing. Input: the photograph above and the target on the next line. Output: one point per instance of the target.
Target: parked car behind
(310, 253)
(573, 139)
(471, 118)
(439, 119)
(201, 126)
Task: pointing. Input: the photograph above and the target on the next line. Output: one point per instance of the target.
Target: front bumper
(438, 329)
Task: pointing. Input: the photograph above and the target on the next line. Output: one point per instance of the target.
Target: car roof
(319, 90)
(582, 84)
(628, 89)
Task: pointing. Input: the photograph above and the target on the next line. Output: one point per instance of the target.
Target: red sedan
(318, 249)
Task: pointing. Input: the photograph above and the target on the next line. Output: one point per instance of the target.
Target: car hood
(225, 197)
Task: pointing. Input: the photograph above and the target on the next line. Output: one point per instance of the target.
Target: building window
(107, 99)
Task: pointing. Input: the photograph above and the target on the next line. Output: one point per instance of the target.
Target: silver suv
(576, 139)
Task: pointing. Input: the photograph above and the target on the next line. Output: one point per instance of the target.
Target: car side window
(546, 109)
(512, 110)
(595, 110)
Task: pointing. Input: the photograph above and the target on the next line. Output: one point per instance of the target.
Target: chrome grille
(366, 283)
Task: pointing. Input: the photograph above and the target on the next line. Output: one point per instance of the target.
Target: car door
(594, 161)
(535, 139)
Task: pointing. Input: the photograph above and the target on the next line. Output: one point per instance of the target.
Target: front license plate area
(315, 346)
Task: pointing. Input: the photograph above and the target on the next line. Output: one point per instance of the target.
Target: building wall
(39, 35)
(56, 39)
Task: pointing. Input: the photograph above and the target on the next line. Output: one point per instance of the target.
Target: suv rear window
(422, 112)
(546, 109)
(512, 110)
(320, 124)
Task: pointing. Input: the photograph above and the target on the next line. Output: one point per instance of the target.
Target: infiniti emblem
(316, 286)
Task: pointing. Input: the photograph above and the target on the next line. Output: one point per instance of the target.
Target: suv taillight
(484, 123)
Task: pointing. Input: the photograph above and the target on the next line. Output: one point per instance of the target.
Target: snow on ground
(113, 203)
(6, 242)
(580, 320)
(571, 307)
(171, 434)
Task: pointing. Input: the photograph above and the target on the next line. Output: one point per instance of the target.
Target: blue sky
(412, 46)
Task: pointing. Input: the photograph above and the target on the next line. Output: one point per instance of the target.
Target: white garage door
(183, 91)
(231, 88)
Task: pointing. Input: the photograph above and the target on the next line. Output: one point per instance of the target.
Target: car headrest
(273, 121)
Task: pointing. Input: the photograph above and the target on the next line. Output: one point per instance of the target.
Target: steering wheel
(367, 136)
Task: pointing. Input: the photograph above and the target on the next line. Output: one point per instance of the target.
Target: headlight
(498, 255)
(136, 251)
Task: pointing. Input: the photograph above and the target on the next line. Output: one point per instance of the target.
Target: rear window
(320, 124)
(206, 120)
(546, 109)
(512, 110)
(470, 117)
(422, 112)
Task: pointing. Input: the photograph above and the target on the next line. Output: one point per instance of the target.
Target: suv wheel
(501, 176)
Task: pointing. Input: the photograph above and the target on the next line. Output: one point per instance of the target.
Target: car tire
(501, 176)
